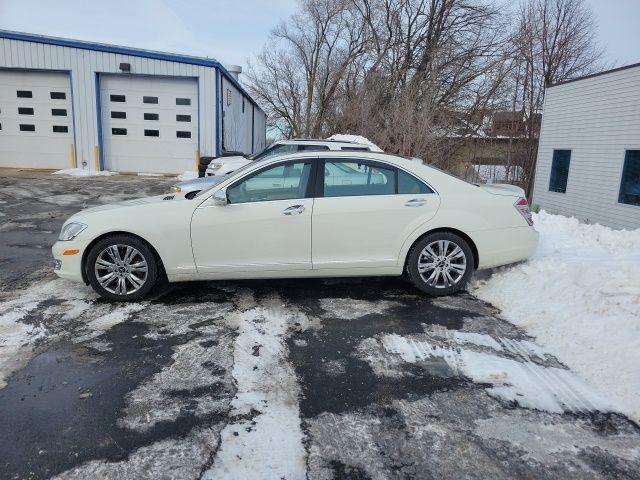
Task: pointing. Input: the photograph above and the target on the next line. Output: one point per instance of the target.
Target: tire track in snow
(519, 380)
(264, 439)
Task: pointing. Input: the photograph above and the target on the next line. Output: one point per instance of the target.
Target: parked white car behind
(226, 165)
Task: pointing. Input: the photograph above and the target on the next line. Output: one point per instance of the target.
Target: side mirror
(219, 198)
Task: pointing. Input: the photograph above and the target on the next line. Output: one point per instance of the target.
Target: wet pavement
(319, 379)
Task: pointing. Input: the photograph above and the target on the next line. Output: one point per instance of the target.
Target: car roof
(332, 144)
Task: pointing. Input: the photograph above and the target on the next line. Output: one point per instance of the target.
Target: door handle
(294, 210)
(415, 202)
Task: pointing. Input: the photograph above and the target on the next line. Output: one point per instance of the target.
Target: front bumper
(68, 266)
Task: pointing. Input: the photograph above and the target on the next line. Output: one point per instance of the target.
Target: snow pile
(340, 137)
(79, 172)
(187, 176)
(580, 296)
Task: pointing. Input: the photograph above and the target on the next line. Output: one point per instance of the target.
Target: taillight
(523, 207)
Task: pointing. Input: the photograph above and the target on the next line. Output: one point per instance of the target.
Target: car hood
(131, 203)
(199, 183)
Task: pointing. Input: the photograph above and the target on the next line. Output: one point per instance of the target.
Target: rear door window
(408, 184)
(353, 178)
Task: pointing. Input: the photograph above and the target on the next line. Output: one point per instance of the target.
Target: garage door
(36, 128)
(149, 124)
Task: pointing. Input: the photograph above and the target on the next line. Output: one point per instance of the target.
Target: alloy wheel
(442, 264)
(121, 269)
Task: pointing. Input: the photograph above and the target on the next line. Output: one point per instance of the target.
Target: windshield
(274, 150)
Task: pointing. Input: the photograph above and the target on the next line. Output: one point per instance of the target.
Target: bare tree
(419, 77)
(298, 73)
(555, 40)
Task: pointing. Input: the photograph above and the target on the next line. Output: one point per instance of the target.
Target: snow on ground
(579, 295)
(187, 176)
(519, 379)
(267, 428)
(79, 172)
(58, 302)
(341, 137)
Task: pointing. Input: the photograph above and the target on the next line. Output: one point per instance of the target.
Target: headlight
(215, 166)
(71, 231)
(176, 189)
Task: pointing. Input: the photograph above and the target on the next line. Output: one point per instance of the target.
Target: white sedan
(329, 214)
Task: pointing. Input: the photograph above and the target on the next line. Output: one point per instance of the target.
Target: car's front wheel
(440, 263)
(121, 268)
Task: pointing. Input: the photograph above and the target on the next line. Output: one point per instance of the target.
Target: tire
(431, 278)
(133, 255)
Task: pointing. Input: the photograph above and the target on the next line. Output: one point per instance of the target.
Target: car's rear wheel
(121, 268)
(441, 263)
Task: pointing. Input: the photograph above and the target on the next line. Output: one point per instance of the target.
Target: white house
(68, 103)
(589, 152)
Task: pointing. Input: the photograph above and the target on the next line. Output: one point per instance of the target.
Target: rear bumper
(68, 266)
(508, 245)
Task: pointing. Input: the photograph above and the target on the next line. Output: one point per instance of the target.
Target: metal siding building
(592, 126)
(67, 103)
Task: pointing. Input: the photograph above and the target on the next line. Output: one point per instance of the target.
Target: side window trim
(305, 161)
(319, 176)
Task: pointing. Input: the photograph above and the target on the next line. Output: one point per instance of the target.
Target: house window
(149, 99)
(152, 133)
(58, 95)
(27, 128)
(228, 97)
(559, 171)
(59, 112)
(118, 131)
(630, 183)
(182, 134)
(183, 101)
(117, 98)
(60, 129)
(25, 111)
(118, 114)
(242, 104)
(183, 118)
(24, 94)
(152, 116)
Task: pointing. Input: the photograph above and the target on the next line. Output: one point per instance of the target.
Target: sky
(233, 31)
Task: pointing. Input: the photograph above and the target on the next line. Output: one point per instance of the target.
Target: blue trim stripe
(99, 118)
(218, 107)
(101, 47)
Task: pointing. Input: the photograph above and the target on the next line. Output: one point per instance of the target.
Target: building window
(183, 101)
(559, 171)
(149, 99)
(630, 183)
(228, 97)
(183, 118)
(151, 116)
(60, 129)
(24, 94)
(152, 133)
(118, 114)
(242, 104)
(25, 111)
(180, 134)
(59, 112)
(58, 95)
(118, 131)
(117, 98)
(27, 128)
